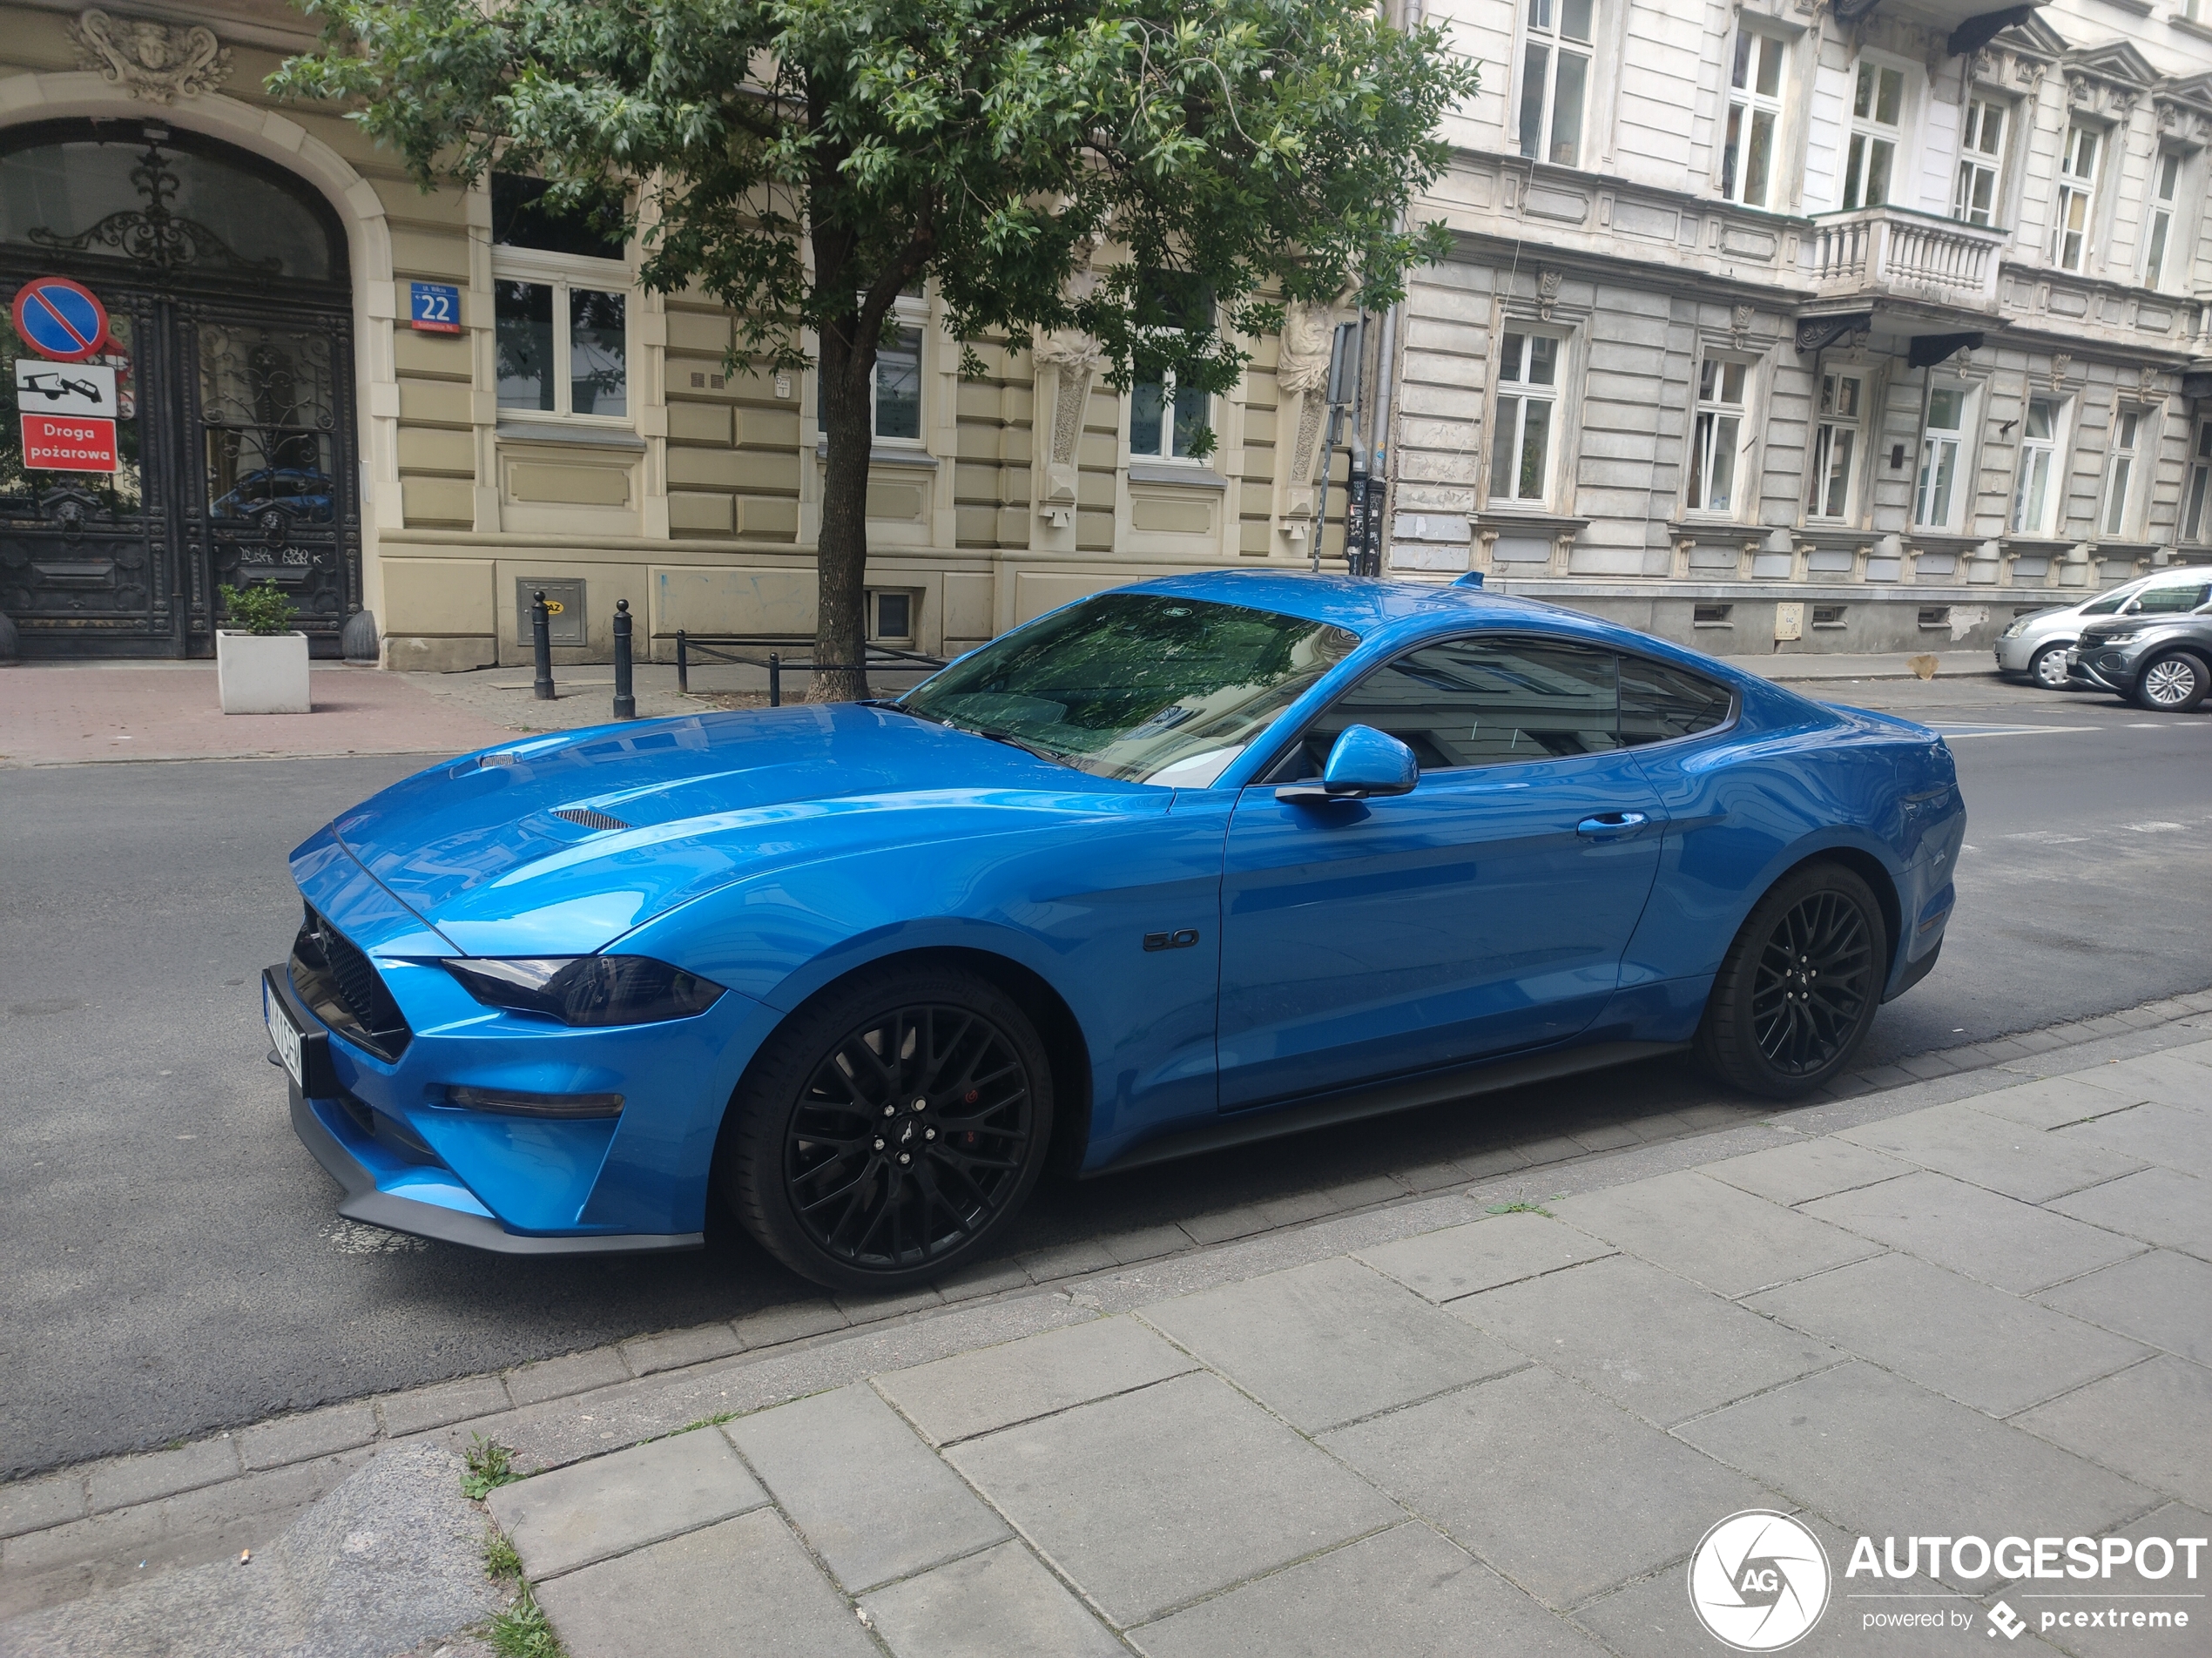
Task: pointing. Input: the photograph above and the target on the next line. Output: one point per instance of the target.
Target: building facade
(1786, 326)
(1683, 367)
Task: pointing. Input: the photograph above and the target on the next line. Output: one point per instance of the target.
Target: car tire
(2046, 668)
(2172, 683)
(1780, 1028)
(865, 1175)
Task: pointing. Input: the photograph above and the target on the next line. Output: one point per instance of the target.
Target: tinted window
(1475, 702)
(1657, 703)
(2172, 599)
(521, 217)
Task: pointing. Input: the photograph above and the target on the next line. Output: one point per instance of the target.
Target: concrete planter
(262, 673)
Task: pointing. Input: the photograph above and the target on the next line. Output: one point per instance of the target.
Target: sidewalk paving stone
(312, 1434)
(1067, 1260)
(1565, 1494)
(866, 1495)
(611, 1505)
(1993, 1152)
(2147, 1422)
(2161, 1298)
(2052, 1101)
(1498, 1249)
(1999, 1240)
(2159, 1206)
(1816, 1167)
(2171, 1135)
(676, 1348)
(420, 1408)
(745, 1589)
(33, 1505)
(995, 1387)
(999, 1604)
(1966, 1341)
(2174, 1076)
(1151, 1499)
(1329, 1342)
(122, 1482)
(1405, 1593)
(571, 1373)
(1884, 1457)
(792, 1323)
(1645, 1339)
(1711, 1232)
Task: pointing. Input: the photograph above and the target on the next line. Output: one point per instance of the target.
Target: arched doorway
(230, 323)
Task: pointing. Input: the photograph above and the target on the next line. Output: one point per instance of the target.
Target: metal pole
(775, 680)
(626, 700)
(683, 666)
(542, 648)
(1328, 464)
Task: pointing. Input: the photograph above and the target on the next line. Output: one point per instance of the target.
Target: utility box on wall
(1789, 621)
(565, 625)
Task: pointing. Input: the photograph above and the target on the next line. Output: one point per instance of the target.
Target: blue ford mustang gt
(1186, 863)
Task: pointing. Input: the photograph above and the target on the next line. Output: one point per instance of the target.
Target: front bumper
(2014, 655)
(2108, 667)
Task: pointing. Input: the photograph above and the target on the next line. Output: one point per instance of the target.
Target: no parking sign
(61, 321)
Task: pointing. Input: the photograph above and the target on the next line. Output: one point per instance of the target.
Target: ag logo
(1758, 1581)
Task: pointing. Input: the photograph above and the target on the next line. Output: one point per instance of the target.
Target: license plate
(284, 1036)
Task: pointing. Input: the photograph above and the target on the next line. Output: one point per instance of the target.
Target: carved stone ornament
(1548, 285)
(157, 62)
(2060, 363)
(1309, 332)
(1068, 359)
(1739, 324)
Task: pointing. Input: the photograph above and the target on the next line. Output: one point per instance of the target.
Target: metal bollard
(775, 680)
(542, 646)
(625, 701)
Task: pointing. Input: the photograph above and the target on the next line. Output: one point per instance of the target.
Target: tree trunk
(840, 625)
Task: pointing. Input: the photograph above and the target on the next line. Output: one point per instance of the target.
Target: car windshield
(1143, 687)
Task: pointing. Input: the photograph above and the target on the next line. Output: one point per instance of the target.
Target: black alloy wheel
(890, 1127)
(2173, 684)
(1798, 990)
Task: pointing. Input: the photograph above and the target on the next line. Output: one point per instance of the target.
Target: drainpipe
(1379, 448)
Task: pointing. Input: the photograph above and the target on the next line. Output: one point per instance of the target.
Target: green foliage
(1521, 1208)
(259, 607)
(501, 1560)
(521, 1630)
(490, 1463)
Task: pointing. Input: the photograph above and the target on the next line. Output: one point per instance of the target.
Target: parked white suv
(2035, 646)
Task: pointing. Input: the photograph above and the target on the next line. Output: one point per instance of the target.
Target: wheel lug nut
(929, 1133)
(878, 1145)
(891, 1110)
(922, 1105)
(905, 1156)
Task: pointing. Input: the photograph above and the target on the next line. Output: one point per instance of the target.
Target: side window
(2168, 600)
(1477, 702)
(1658, 703)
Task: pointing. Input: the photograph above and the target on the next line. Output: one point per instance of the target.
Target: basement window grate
(1935, 616)
(1828, 616)
(1711, 616)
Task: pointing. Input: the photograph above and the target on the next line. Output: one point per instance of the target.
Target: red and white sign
(68, 443)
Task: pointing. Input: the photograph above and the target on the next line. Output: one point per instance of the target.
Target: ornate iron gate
(234, 343)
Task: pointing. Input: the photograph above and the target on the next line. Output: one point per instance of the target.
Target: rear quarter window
(1659, 703)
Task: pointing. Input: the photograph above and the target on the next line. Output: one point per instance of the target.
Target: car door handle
(1610, 823)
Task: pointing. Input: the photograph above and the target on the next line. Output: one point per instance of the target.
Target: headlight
(2015, 630)
(2103, 640)
(585, 989)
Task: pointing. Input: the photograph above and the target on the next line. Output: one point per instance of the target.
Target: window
(1753, 117)
(1877, 115)
(2035, 490)
(2197, 501)
(1528, 391)
(896, 396)
(1660, 702)
(1711, 616)
(1835, 445)
(1940, 492)
(1934, 616)
(2077, 186)
(890, 614)
(2165, 193)
(560, 304)
(2120, 469)
(1555, 80)
(2167, 598)
(1828, 616)
(1165, 419)
(1717, 434)
(1981, 163)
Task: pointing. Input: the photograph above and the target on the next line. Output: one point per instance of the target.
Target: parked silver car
(2035, 646)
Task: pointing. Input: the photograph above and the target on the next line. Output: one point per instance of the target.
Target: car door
(1486, 911)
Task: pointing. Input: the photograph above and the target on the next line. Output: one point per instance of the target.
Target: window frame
(1165, 455)
(2122, 468)
(2052, 449)
(2162, 230)
(1541, 28)
(2068, 186)
(1870, 130)
(1974, 161)
(1744, 105)
(564, 272)
(1702, 408)
(909, 314)
(2193, 518)
(1819, 467)
(1924, 473)
(1522, 392)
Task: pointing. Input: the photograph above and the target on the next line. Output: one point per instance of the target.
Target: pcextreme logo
(1758, 1581)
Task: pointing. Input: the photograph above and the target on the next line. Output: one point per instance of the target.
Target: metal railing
(743, 648)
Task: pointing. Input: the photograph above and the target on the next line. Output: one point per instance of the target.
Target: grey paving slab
(1565, 1494)
(2154, 1423)
(674, 1349)
(121, 1481)
(1981, 1346)
(1994, 1152)
(1498, 1249)
(608, 1506)
(972, 1393)
(1812, 1168)
(1067, 1260)
(1149, 1500)
(1709, 1232)
(2015, 1246)
(33, 1505)
(2109, 1639)
(1331, 1342)
(1644, 1337)
(998, 1604)
(420, 1408)
(2171, 1135)
(2052, 1101)
(1405, 1593)
(745, 1589)
(868, 1496)
(1882, 1456)
(2163, 1299)
(2160, 1206)
(2177, 1076)
(312, 1434)
(571, 1373)
(793, 1322)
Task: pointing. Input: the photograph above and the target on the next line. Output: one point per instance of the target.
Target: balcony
(1895, 258)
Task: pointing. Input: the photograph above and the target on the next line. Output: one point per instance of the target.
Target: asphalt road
(175, 1264)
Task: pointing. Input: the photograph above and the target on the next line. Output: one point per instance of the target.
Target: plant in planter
(261, 665)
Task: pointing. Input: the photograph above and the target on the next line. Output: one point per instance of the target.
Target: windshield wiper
(1012, 741)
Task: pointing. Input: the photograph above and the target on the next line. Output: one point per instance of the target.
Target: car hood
(562, 844)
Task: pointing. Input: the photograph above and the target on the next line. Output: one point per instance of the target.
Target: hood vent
(585, 816)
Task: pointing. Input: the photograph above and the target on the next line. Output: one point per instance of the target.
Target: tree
(806, 161)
